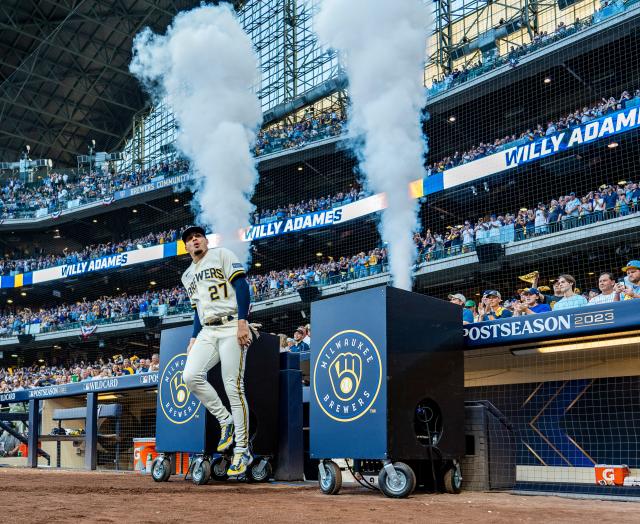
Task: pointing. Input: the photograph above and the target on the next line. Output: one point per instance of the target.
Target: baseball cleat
(226, 437)
(241, 461)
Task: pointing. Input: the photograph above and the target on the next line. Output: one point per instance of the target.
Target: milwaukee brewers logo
(177, 403)
(347, 376)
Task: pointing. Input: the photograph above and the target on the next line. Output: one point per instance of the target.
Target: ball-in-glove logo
(347, 376)
(176, 401)
(179, 391)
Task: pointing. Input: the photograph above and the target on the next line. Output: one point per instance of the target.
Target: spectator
(552, 300)
(490, 308)
(630, 286)
(460, 300)
(127, 369)
(299, 345)
(470, 305)
(154, 365)
(532, 302)
(307, 337)
(608, 293)
(566, 285)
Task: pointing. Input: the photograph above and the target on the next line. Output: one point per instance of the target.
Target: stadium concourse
(528, 214)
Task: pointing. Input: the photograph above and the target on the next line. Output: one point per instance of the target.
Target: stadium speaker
(26, 339)
(152, 322)
(489, 252)
(309, 294)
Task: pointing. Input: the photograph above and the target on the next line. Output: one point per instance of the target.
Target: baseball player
(217, 287)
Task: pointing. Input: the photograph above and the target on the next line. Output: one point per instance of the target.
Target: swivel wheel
(161, 469)
(452, 479)
(201, 471)
(397, 480)
(260, 470)
(330, 477)
(219, 468)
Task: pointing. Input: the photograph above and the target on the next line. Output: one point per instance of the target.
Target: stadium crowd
(56, 190)
(564, 212)
(491, 61)
(564, 294)
(313, 126)
(15, 321)
(11, 265)
(15, 262)
(574, 118)
(329, 271)
(18, 200)
(515, 53)
(354, 193)
(41, 375)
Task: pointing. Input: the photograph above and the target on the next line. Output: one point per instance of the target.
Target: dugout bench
(80, 413)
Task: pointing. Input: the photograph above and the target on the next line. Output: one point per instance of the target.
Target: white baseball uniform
(209, 285)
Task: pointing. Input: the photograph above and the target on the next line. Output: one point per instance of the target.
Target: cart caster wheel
(260, 471)
(331, 481)
(201, 471)
(161, 469)
(402, 485)
(219, 468)
(452, 480)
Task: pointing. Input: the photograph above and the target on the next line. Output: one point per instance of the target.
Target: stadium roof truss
(64, 77)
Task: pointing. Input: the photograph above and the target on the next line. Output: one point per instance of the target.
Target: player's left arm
(235, 273)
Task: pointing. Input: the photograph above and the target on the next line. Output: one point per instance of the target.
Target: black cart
(387, 391)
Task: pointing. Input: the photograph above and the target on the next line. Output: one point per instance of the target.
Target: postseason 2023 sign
(587, 320)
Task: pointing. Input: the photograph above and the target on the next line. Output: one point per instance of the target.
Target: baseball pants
(218, 344)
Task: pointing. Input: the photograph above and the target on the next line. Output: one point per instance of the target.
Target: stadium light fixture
(108, 396)
(318, 254)
(559, 348)
(547, 80)
(452, 119)
(23, 294)
(14, 355)
(153, 283)
(257, 264)
(134, 210)
(591, 273)
(95, 221)
(300, 168)
(9, 301)
(176, 200)
(41, 360)
(613, 145)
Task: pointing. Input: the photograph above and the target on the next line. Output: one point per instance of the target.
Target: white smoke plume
(383, 46)
(204, 67)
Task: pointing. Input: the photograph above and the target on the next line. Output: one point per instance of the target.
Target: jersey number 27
(215, 292)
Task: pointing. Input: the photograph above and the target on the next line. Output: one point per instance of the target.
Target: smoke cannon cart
(387, 391)
(183, 425)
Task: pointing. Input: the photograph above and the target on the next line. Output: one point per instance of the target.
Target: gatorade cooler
(608, 475)
(144, 449)
(182, 463)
